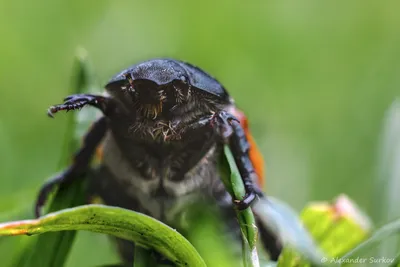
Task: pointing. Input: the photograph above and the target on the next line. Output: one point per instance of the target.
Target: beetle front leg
(78, 101)
(229, 128)
(79, 166)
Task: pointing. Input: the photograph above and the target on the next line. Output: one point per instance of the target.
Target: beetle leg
(78, 101)
(229, 128)
(80, 163)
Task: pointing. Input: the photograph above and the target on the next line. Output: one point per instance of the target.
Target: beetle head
(147, 96)
(162, 96)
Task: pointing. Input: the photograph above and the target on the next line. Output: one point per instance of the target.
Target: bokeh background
(315, 78)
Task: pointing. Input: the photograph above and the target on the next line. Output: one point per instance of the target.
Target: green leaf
(122, 223)
(234, 184)
(53, 249)
(386, 231)
(341, 226)
(287, 226)
(336, 229)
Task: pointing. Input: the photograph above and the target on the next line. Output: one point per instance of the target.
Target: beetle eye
(181, 89)
(117, 85)
(179, 85)
(128, 77)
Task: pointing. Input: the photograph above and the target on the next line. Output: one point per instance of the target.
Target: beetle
(164, 124)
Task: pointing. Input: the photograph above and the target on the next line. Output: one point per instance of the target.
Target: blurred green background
(314, 77)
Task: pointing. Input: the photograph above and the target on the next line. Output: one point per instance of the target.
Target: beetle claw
(50, 113)
(246, 202)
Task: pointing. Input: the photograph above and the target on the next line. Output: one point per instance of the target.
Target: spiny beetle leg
(204, 121)
(231, 131)
(80, 163)
(46, 189)
(78, 101)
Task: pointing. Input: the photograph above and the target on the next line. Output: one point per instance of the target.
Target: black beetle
(163, 128)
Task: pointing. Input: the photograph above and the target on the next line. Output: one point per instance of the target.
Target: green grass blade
(234, 184)
(396, 261)
(122, 223)
(142, 257)
(53, 249)
(387, 182)
(208, 235)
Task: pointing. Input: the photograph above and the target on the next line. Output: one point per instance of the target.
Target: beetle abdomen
(157, 187)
